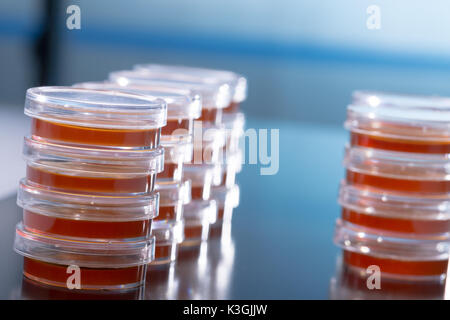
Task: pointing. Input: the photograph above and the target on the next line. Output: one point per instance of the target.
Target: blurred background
(302, 59)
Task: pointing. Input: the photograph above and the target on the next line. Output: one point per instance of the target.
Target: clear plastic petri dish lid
(92, 161)
(86, 207)
(83, 253)
(392, 205)
(214, 95)
(223, 195)
(95, 108)
(173, 192)
(168, 232)
(362, 240)
(399, 165)
(406, 117)
(198, 212)
(237, 82)
(181, 103)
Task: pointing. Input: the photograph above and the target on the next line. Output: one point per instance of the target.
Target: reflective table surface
(279, 246)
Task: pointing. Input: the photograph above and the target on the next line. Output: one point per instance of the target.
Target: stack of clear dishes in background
(396, 196)
(88, 196)
(218, 129)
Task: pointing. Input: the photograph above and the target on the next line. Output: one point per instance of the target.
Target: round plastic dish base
(397, 171)
(90, 278)
(395, 256)
(91, 170)
(407, 215)
(170, 212)
(118, 230)
(168, 236)
(64, 181)
(400, 145)
(83, 263)
(398, 185)
(75, 216)
(80, 136)
(407, 227)
(33, 290)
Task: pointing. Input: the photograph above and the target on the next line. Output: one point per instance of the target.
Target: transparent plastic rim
(95, 108)
(181, 103)
(362, 240)
(167, 233)
(172, 192)
(400, 165)
(83, 253)
(393, 205)
(223, 195)
(86, 207)
(428, 117)
(198, 212)
(237, 82)
(214, 95)
(39, 153)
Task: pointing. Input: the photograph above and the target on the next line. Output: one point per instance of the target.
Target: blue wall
(302, 58)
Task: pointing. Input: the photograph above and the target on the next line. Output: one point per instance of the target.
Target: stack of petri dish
(224, 115)
(89, 197)
(396, 196)
(183, 107)
(221, 92)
